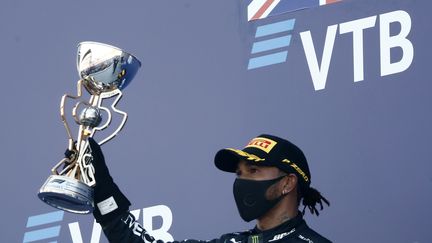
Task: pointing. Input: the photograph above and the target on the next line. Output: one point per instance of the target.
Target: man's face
(258, 173)
(257, 189)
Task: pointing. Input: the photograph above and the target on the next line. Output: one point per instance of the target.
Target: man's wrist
(107, 206)
(110, 202)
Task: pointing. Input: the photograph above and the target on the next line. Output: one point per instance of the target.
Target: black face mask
(250, 197)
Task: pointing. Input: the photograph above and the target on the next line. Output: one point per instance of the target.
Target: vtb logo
(46, 227)
(272, 42)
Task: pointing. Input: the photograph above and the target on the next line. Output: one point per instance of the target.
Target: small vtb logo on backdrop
(272, 40)
(43, 226)
(271, 44)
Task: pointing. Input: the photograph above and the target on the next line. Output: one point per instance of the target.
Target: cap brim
(228, 159)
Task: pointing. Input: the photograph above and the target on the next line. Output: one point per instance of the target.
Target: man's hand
(102, 174)
(110, 203)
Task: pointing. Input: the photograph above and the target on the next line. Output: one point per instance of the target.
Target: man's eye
(253, 170)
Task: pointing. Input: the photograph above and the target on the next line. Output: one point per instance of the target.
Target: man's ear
(289, 183)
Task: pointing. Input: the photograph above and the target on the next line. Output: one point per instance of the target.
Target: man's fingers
(98, 157)
(96, 150)
(69, 153)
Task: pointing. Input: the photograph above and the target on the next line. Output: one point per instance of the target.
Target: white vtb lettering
(319, 70)
(148, 214)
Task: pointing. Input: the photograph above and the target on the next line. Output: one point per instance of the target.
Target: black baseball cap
(267, 150)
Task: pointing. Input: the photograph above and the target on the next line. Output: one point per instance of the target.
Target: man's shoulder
(235, 237)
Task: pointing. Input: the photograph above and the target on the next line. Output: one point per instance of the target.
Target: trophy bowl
(104, 67)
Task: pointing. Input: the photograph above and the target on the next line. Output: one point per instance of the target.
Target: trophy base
(67, 194)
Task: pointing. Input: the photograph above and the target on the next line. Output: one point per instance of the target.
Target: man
(272, 179)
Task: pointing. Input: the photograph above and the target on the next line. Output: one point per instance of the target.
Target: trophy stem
(72, 171)
(94, 100)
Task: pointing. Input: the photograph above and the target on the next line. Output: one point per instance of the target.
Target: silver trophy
(104, 71)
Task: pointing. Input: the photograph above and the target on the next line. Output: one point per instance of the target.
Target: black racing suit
(126, 229)
(120, 226)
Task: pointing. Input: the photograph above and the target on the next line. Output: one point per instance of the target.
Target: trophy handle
(86, 170)
(63, 116)
(68, 166)
(124, 114)
(84, 162)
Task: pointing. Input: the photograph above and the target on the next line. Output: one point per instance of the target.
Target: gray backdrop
(367, 142)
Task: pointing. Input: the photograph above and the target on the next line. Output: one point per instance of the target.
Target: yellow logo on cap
(300, 171)
(264, 144)
(248, 156)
